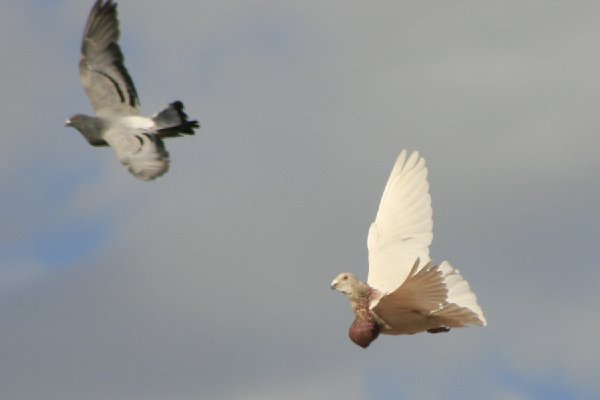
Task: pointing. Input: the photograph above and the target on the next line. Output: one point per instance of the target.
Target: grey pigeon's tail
(173, 122)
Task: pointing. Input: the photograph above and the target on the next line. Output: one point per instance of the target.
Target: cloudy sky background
(213, 281)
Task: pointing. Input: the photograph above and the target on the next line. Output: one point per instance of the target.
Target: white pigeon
(136, 140)
(405, 292)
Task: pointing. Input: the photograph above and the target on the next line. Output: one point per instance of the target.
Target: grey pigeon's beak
(334, 284)
(68, 122)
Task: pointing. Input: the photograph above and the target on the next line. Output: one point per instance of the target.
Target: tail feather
(173, 121)
(460, 294)
(454, 316)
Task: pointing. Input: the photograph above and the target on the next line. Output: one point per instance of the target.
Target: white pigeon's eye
(345, 277)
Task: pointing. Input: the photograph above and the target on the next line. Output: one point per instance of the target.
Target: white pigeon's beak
(68, 122)
(334, 284)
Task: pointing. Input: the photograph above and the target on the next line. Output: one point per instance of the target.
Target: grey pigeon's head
(345, 283)
(80, 122)
(90, 128)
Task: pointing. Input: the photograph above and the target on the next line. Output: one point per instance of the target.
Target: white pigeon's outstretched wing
(101, 70)
(143, 154)
(402, 230)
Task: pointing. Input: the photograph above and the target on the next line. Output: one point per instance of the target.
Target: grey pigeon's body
(405, 292)
(136, 140)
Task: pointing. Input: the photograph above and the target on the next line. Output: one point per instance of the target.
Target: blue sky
(213, 281)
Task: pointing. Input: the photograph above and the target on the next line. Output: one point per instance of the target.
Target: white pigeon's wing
(430, 298)
(402, 230)
(101, 70)
(143, 154)
(405, 310)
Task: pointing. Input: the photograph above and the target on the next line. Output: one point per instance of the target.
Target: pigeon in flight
(406, 292)
(136, 140)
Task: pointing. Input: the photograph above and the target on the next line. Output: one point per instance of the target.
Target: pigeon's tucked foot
(363, 332)
(173, 122)
(439, 330)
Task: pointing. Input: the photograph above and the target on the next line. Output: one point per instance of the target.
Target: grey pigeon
(405, 292)
(136, 140)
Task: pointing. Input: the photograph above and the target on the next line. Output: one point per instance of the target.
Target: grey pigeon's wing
(101, 70)
(144, 154)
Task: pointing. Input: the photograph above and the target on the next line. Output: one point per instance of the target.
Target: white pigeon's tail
(462, 307)
(173, 121)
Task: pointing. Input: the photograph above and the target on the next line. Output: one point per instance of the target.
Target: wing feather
(101, 70)
(144, 154)
(423, 291)
(402, 230)
(406, 310)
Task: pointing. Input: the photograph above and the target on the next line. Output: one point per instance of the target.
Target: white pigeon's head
(345, 283)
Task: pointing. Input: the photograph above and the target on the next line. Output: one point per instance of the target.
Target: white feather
(137, 122)
(402, 230)
(459, 291)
